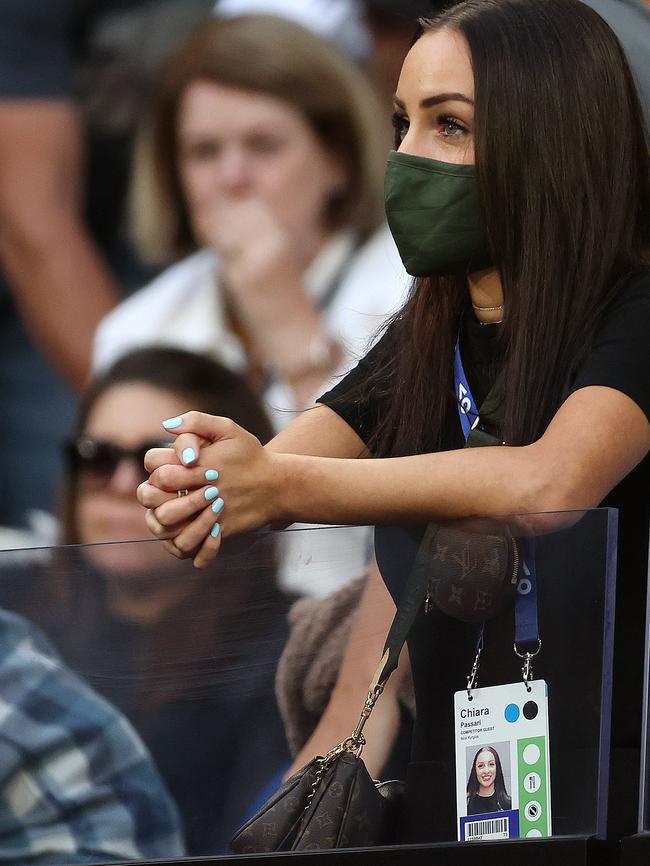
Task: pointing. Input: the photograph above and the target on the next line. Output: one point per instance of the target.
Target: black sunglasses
(102, 458)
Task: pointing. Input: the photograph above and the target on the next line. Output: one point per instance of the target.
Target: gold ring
(182, 492)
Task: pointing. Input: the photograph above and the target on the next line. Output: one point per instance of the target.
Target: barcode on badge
(490, 828)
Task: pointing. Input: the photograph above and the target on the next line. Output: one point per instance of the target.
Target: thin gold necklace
(488, 309)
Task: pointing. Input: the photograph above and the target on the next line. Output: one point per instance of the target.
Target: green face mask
(434, 215)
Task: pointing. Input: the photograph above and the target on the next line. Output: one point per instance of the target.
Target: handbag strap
(408, 606)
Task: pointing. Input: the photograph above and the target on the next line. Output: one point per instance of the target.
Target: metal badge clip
(472, 679)
(527, 667)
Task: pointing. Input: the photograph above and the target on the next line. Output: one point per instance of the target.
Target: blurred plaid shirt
(76, 783)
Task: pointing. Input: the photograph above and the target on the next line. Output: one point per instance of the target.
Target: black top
(618, 359)
(477, 805)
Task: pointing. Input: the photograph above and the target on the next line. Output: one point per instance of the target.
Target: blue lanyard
(526, 621)
(467, 408)
(527, 640)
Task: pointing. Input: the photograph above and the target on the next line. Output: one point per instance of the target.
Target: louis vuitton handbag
(332, 802)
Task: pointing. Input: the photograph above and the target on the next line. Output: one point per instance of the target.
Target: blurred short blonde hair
(273, 56)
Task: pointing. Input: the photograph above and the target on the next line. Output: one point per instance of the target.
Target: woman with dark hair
(189, 658)
(519, 196)
(486, 787)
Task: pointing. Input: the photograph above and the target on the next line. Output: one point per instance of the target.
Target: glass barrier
(148, 709)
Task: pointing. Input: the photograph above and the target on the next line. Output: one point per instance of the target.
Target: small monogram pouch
(471, 576)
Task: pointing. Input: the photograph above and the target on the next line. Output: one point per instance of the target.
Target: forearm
(340, 719)
(59, 281)
(288, 332)
(572, 466)
(360, 659)
(62, 290)
(481, 481)
(309, 359)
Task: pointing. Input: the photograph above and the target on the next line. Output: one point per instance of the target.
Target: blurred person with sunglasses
(104, 455)
(189, 661)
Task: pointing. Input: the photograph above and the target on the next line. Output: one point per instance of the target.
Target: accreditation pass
(502, 762)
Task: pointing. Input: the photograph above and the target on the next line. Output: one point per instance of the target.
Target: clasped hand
(230, 479)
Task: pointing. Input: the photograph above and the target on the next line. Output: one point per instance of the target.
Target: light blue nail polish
(211, 493)
(172, 423)
(218, 505)
(188, 455)
(216, 529)
(211, 474)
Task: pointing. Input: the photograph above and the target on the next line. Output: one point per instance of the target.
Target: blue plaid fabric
(76, 783)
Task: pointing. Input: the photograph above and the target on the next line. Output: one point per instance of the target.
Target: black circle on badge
(530, 710)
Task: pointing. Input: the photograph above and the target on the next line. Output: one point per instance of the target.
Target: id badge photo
(502, 762)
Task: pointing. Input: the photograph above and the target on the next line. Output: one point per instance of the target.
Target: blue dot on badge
(511, 713)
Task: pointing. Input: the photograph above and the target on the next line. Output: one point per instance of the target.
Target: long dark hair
(503, 798)
(563, 171)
